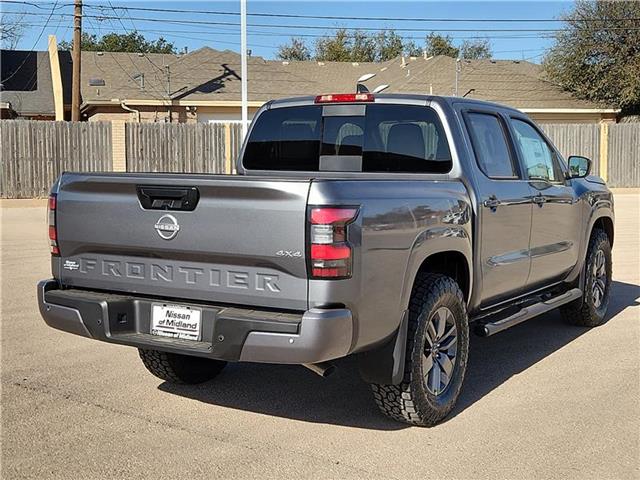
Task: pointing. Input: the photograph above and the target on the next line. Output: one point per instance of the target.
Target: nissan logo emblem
(167, 226)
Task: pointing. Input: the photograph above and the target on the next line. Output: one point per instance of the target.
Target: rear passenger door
(504, 208)
(557, 219)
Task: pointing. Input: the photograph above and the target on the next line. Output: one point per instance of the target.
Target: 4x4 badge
(289, 253)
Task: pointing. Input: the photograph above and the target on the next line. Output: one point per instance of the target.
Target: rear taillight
(330, 255)
(345, 98)
(53, 232)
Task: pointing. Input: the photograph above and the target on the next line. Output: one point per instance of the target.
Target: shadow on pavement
(291, 391)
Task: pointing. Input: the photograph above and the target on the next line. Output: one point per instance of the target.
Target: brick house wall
(148, 114)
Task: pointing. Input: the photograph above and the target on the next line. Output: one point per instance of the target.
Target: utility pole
(77, 36)
(243, 66)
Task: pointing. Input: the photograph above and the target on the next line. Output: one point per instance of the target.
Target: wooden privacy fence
(623, 155)
(194, 148)
(34, 153)
(614, 148)
(576, 139)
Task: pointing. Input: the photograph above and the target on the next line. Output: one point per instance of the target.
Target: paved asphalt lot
(542, 400)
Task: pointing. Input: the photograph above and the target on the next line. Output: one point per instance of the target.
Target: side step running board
(491, 328)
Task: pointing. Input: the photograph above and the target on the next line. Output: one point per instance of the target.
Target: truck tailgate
(244, 243)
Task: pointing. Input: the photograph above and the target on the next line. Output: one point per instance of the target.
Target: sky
(494, 21)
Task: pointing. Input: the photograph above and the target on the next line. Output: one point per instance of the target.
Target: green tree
(334, 49)
(475, 49)
(412, 49)
(388, 45)
(437, 44)
(363, 47)
(359, 46)
(296, 49)
(596, 56)
(132, 42)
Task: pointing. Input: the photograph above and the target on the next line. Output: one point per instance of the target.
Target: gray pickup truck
(380, 226)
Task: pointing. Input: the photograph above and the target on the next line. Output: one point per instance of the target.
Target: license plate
(177, 321)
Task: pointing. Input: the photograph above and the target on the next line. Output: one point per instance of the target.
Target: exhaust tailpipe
(324, 369)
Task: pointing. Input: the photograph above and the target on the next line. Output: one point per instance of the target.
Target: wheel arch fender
(605, 222)
(600, 216)
(385, 363)
(446, 255)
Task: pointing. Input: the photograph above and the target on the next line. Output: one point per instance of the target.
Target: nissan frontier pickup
(384, 227)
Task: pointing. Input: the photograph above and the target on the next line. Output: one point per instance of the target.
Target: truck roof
(401, 97)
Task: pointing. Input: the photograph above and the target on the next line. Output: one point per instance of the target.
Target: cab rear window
(387, 138)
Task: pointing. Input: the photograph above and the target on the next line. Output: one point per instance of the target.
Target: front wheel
(590, 310)
(436, 355)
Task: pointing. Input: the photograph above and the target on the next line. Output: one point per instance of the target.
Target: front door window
(538, 157)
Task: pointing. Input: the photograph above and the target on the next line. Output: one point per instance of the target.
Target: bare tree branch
(11, 30)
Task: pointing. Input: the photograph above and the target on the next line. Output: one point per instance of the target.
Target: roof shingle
(208, 74)
(26, 82)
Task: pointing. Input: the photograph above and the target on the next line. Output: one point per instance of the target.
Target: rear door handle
(539, 200)
(492, 202)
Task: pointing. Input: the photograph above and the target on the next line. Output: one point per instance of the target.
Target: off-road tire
(583, 312)
(182, 369)
(410, 401)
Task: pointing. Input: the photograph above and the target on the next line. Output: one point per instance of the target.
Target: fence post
(118, 145)
(604, 151)
(227, 148)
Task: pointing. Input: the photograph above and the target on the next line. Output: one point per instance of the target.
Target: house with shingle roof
(26, 84)
(204, 85)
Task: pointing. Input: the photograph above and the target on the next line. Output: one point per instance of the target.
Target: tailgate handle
(168, 198)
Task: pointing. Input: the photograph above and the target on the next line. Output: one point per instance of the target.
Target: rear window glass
(490, 145)
(389, 138)
(285, 139)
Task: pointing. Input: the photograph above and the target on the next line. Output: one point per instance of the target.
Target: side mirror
(579, 167)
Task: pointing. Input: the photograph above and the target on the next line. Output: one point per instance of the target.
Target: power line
(261, 33)
(46, 24)
(152, 91)
(146, 56)
(343, 17)
(363, 18)
(168, 33)
(126, 31)
(327, 27)
(56, 5)
(34, 75)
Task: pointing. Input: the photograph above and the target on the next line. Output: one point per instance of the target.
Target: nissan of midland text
(384, 227)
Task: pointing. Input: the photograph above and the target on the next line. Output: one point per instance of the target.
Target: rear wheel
(436, 355)
(590, 310)
(175, 368)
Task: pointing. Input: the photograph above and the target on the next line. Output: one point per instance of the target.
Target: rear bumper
(228, 333)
